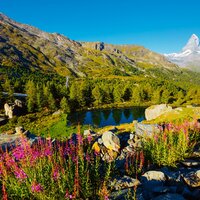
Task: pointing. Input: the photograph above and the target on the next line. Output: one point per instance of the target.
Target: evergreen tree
(51, 102)
(8, 88)
(31, 96)
(155, 99)
(165, 96)
(118, 94)
(39, 99)
(64, 105)
(136, 95)
(97, 95)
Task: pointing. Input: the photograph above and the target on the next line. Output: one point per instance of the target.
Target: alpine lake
(105, 117)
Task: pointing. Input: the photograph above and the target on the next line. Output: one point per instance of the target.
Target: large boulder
(13, 109)
(111, 141)
(107, 146)
(155, 111)
(154, 176)
(9, 141)
(8, 110)
(147, 129)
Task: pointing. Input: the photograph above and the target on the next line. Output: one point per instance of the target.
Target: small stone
(191, 163)
(124, 182)
(88, 132)
(192, 179)
(131, 136)
(19, 130)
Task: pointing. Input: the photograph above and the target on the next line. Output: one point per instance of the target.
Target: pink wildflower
(68, 196)
(20, 174)
(36, 187)
(89, 138)
(55, 174)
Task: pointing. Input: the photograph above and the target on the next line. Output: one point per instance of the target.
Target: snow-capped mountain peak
(192, 44)
(189, 56)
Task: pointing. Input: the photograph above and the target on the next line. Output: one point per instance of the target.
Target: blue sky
(161, 25)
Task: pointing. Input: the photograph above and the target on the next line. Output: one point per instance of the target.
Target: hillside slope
(29, 48)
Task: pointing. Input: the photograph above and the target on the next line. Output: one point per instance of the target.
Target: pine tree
(31, 96)
(51, 102)
(8, 88)
(64, 105)
(97, 95)
(39, 100)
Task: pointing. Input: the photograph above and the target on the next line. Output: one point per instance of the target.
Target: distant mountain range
(29, 48)
(189, 57)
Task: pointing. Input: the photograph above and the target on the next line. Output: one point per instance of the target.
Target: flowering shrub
(173, 145)
(60, 170)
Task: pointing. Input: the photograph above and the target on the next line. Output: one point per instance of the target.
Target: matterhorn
(189, 57)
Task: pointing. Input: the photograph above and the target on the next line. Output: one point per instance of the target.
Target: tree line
(83, 93)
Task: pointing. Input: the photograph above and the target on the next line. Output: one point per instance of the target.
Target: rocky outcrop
(192, 179)
(155, 111)
(9, 141)
(111, 141)
(108, 146)
(147, 129)
(13, 109)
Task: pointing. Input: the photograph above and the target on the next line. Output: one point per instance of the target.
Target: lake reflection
(100, 118)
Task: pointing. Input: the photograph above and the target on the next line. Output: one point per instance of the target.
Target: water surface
(101, 118)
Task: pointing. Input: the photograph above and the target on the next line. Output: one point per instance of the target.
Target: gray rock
(126, 194)
(88, 132)
(111, 141)
(13, 109)
(147, 129)
(131, 136)
(19, 130)
(18, 103)
(124, 182)
(191, 163)
(169, 196)
(173, 177)
(119, 195)
(155, 111)
(154, 176)
(10, 141)
(192, 179)
(58, 112)
(8, 110)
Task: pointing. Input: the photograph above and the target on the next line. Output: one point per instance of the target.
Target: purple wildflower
(36, 187)
(20, 174)
(89, 138)
(87, 157)
(79, 138)
(68, 196)
(18, 153)
(47, 151)
(55, 174)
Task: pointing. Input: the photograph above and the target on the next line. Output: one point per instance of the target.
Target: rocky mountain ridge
(28, 47)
